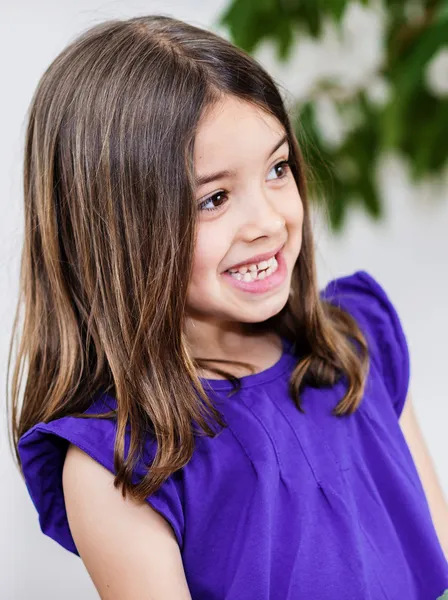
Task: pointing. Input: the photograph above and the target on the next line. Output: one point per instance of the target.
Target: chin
(263, 313)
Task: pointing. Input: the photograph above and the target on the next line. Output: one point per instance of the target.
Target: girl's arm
(129, 550)
(426, 470)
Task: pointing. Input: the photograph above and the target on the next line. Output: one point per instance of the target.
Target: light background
(407, 252)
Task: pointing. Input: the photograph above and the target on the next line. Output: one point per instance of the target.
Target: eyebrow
(202, 180)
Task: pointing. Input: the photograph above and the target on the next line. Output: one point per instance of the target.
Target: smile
(253, 272)
(259, 278)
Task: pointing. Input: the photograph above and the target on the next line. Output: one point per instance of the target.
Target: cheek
(210, 249)
(293, 210)
(299, 214)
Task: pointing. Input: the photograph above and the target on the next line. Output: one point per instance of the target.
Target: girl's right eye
(217, 198)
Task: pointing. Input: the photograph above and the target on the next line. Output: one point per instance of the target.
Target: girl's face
(248, 205)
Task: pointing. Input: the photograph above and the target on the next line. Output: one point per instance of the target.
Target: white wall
(407, 252)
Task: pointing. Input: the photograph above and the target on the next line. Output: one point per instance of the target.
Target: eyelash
(283, 163)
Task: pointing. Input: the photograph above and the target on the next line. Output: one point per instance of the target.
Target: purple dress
(283, 505)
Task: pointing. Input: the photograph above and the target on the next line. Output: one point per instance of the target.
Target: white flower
(378, 90)
(329, 122)
(436, 74)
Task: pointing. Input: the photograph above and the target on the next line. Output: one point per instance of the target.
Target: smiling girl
(198, 420)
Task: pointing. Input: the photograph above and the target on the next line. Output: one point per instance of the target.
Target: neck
(235, 341)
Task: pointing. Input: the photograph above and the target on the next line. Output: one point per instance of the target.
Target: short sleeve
(364, 298)
(42, 451)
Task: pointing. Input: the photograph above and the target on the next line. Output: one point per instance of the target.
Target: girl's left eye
(284, 164)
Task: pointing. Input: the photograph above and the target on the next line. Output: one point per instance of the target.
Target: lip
(261, 287)
(257, 258)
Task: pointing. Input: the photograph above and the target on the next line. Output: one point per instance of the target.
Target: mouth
(260, 264)
(255, 271)
(259, 277)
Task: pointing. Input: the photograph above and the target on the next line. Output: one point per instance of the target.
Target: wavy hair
(110, 219)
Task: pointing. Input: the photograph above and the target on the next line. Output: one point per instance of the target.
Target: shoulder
(361, 292)
(361, 295)
(43, 451)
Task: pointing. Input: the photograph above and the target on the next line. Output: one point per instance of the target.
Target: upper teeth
(264, 264)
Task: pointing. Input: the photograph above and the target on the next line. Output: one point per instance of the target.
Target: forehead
(233, 129)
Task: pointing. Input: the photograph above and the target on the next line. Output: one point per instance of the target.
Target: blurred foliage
(413, 119)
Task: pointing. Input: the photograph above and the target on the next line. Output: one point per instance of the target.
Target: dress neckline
(287, 358)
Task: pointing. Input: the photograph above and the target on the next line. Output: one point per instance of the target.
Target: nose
(262, 219)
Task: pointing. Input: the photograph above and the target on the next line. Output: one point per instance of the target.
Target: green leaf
(442, 13)
(284, 38)
(406, 80)
(336, 8)
(430, 154)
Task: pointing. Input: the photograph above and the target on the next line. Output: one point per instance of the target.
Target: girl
(198, 420)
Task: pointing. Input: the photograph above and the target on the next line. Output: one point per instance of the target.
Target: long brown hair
(109, 235)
